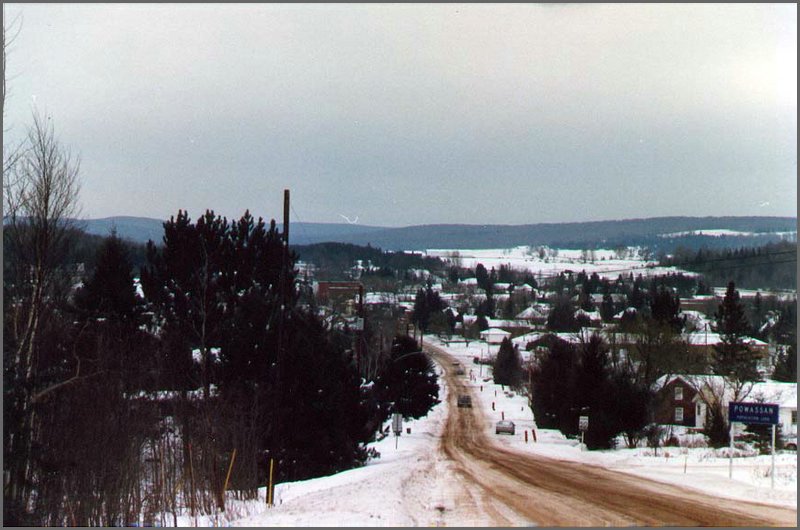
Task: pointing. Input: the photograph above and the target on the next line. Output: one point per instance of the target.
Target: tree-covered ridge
(659, 233)
(333, 259)
(771, 266)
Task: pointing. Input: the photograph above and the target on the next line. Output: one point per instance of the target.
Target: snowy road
(503, 487)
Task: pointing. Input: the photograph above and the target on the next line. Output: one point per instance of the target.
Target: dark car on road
(464, 401)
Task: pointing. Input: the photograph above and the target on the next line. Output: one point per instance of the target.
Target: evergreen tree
(762, 436)
(508, 365)
(786, 364)
(452, 274)
(637, 298)
(482, 276)
(427, 303)
(551, 381)
(562, 316)
(607, 308)
(285, 383)
(408, 384)
(421, 315)
(665, 308)
(321, 416)
(733, 357)
(109, 292)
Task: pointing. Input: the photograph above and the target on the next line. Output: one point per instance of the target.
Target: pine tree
(551, 381)
(786, 364)
(508, 365)
(408, 384)
(482, 276)
(109, 292)
(607, 308)
(481, 322)
(665, 308)
(733, 358)
(562, 316)
(427, 303)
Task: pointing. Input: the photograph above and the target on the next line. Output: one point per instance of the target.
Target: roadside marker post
(583, 426)
(271, 486)
(397, 426)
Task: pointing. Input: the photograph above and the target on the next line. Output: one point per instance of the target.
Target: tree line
(770, 266)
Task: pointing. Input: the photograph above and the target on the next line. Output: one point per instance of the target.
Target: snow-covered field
(720, 232)
(606, 263)
(409, 485)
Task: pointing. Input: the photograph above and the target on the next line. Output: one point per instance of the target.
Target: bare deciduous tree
(40, 201)
(10, 152)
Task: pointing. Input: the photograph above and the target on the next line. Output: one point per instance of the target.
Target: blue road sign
(764, 413)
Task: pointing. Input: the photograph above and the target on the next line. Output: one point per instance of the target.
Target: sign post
(583, 426)
(759, 413)
(397, 426)
(772, 475)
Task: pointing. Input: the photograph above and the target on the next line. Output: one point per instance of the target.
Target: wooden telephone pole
(282, 279)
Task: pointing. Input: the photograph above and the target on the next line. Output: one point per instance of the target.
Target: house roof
(591, 315)
(626, 310)
(784, 394)
(700, 338)
(498, 323)
(535, 311)
(492, 335)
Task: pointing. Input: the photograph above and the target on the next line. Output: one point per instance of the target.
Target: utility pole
(360, 330)
(282, 277)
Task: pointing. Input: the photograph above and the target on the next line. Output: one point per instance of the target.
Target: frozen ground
(410, 485)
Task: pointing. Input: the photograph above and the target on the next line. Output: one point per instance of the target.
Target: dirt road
(514, 488)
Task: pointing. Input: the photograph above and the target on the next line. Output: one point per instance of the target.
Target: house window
(678, 414)
(678, 393)
(698, 411)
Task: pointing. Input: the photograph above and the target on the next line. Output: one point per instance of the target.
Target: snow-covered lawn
(699, 468)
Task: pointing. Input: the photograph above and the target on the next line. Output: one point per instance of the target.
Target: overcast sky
(411, 114)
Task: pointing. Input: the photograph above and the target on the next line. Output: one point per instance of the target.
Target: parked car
(790, 443)
(504, 426)
(464, 401)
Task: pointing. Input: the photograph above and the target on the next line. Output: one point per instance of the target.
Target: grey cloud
(405, 114)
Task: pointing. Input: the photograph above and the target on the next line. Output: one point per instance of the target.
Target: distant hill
(142, 229)
(138, 229)
(661, 233)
